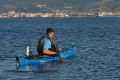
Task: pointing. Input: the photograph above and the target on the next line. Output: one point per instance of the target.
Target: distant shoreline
(13, 14)
(57, 17)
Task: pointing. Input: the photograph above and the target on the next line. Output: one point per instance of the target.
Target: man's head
(50, 33)
(49, 30)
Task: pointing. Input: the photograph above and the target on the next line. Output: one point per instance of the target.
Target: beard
(51, 39)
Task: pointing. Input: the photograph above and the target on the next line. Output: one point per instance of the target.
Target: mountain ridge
(67, 5)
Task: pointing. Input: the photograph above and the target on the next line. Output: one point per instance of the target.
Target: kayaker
(45, 44)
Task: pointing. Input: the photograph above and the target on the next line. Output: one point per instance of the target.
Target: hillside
(48, 5)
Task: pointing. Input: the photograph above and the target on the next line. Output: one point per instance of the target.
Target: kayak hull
(64, 54)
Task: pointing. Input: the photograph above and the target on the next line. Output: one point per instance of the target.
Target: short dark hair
(49, 30)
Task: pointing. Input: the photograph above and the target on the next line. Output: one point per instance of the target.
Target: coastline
(14, 14)
(58, 17)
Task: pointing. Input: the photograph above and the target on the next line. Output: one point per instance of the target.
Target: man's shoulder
(46, 39)
(47, 43)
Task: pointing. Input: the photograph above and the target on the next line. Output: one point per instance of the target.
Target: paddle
(62, 60)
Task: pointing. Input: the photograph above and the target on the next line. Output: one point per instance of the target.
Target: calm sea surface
(97, 40)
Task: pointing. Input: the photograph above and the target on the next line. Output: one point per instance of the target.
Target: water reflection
(40, 68)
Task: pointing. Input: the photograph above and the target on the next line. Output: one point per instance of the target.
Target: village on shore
(56, 14)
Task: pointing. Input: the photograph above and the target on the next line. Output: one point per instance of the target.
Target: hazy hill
(48, 5)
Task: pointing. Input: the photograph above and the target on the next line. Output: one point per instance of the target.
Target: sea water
(97, 40)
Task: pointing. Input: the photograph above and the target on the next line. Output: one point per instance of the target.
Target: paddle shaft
(61, 58)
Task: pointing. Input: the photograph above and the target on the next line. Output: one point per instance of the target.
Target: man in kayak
(45, 44)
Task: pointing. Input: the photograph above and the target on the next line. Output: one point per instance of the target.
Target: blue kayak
(64, 54)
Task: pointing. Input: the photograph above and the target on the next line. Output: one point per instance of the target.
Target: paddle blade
(62, 60)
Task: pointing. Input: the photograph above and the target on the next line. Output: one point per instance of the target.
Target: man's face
(51, 35)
